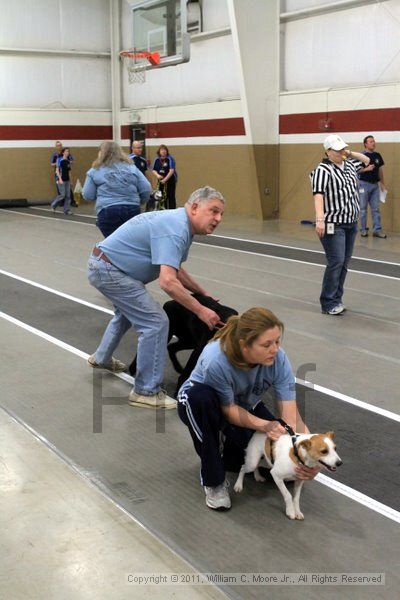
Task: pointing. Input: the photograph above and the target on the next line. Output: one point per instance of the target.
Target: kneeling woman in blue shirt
(224, 393)
(118, 187)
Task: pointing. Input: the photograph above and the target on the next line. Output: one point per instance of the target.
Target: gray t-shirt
(149, 240)
(239, 386)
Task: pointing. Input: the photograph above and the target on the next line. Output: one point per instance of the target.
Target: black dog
(191, 332)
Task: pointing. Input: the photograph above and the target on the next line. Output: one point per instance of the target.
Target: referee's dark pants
(199, 408)
(338, 250)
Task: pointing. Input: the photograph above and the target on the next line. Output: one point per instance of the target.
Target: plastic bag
(78, 187)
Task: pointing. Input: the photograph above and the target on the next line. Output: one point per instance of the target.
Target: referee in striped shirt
(337, 207)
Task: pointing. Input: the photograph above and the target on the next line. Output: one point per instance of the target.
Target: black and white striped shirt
(339, 186)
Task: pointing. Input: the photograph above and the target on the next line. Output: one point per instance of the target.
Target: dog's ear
(306, 444)
(330, 434)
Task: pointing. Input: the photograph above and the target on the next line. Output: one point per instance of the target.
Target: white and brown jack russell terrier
(283, 456)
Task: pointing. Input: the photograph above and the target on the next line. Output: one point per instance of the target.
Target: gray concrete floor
(356, 354)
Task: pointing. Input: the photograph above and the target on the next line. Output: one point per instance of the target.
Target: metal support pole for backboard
(115, 20)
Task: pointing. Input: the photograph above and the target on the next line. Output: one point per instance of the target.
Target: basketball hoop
(136, 63)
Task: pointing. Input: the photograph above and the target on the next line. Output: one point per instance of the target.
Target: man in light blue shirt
(148, 247)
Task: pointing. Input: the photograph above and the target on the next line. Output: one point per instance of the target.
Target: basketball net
(136, 63)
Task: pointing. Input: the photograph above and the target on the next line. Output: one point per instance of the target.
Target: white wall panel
(293, 5)
(209, 76)
(215, 14)
(55, 24)
(358, 46)
(40, 82)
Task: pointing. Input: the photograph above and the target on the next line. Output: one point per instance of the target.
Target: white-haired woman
(117, 186)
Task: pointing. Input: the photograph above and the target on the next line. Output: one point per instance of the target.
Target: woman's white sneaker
(218, 497)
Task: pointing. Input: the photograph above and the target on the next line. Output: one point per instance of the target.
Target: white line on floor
(225, 237)
(56, 292)
(303, 262)
(372, 504)
(65, 220)
(98, 485)
(371, 407)
(57, 342)
(365, 405)
(50, 210)
(359, 497)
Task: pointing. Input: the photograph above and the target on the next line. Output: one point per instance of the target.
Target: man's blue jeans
(112, 217)
(369, 193)
(133, 307)
(338, 250)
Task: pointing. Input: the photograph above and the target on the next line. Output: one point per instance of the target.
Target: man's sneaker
(69, 213)
(158, 400)
(364, 233)
(217, 497)
(380, 234)
(343, 306)
(114, 365)
(336, 310)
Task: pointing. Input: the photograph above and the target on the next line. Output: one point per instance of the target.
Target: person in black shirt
(164, 170)
(63, 168)
(371, 183)
(54, 158)
(136, 156)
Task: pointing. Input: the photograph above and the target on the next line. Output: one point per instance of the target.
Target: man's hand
(303, 472)
(209, 317)
(369, 168)
(274, 430)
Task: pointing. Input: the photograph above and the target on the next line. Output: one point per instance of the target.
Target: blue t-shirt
(141, 245)
(372, 176)
(239, 386)
(121, 183)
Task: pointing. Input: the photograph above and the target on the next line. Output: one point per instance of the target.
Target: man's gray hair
(204, 194)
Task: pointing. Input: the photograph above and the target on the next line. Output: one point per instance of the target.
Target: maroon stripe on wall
(381, 119)
(49, 132)
(206, 127)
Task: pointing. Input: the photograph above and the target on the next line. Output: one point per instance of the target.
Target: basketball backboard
(161, 26)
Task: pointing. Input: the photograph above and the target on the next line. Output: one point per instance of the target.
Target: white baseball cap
(334, 142)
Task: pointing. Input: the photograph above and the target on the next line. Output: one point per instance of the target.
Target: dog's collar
(296, 450)
(294, 437)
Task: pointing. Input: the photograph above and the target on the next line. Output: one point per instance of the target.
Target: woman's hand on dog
(303, 472)
(274, 430)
